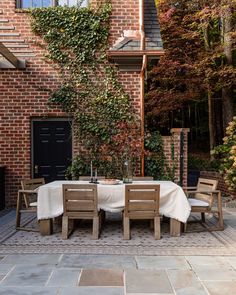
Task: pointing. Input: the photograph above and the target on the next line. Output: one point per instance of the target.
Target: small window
(34, 3)
(73, 3)
(50, 3)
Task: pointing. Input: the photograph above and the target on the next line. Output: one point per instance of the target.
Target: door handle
(36, 169)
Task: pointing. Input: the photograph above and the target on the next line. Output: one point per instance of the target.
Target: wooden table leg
(175, 227)
(45, 227)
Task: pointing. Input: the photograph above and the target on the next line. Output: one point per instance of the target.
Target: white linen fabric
(173, 202)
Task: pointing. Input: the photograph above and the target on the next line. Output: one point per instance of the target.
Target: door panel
(52, 149)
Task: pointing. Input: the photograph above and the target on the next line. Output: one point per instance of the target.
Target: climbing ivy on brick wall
(76, 41)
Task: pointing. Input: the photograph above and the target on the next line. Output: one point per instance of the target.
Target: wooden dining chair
(142, 178)
(27, 200)
(80, 202)
(142, 202)
(202, 199)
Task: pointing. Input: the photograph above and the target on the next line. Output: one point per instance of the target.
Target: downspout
(142, 79)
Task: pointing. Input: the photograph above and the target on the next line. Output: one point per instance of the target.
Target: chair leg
(184, 228)
(96, 227)
(18, 208)
(203, 217)
(221, 221)
(157, 228)
(126, 225)
(65, 227)
(151, 224)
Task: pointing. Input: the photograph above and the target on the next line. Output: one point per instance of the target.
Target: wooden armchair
(27, 200)
(142, 202)
(202, 199)
(80, 202)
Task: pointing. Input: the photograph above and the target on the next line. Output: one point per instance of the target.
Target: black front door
(52, 148)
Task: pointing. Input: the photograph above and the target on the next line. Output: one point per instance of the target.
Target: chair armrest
(190, 187)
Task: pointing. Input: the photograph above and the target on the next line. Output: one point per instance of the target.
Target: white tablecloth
(173, 202)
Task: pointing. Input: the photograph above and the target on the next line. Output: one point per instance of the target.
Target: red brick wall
(23, 95)
(175, 140)
(125, 16)
(221, 184)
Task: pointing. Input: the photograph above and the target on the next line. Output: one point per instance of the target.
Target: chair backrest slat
(207, 184)
(31, 184)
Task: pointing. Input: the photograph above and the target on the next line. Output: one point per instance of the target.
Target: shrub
(227, 155)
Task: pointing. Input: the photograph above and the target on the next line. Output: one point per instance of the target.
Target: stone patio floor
(80, 274)
(70, 274)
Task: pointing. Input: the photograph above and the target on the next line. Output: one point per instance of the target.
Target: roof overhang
(10, 61)
(132, 60)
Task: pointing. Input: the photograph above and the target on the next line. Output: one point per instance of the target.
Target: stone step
(4, 20)
(7, 28)
(9, 35)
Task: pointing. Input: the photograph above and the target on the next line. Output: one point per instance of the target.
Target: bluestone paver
(23, 275)
(209, 273)
(147, 281)
(185, 282)
(92, 291)
(5, 268)
(98, 261)
(221, 288)
(28, 291)
(64, 277)
(41, 259)
(101, 277)
(215, 261)
(161, 262)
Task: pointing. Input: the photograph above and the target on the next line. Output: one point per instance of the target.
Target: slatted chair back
(140, 178)
(31, 184)
(204, 185)
(142, 201)
(80, 200)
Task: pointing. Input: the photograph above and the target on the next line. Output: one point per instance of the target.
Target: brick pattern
(175, 140)
(221, 184)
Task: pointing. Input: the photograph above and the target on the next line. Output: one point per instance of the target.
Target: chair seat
(198, 203)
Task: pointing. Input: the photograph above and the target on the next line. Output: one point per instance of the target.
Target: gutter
(142, 79)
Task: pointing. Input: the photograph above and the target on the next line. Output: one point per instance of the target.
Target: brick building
(26, 122)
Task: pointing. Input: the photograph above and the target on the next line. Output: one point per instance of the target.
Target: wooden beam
(5, 52)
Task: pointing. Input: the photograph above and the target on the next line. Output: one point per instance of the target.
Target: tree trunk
(226, 29)
(211, 120)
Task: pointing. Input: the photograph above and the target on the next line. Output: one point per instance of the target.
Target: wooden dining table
(173, 202)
